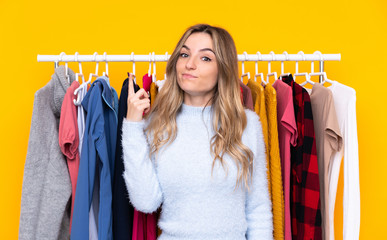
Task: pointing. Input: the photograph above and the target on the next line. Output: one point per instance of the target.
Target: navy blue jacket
(122, 209)
(98, 154)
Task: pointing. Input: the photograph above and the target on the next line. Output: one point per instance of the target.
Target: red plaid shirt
(304, 181)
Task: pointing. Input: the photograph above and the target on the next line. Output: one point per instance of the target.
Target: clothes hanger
(148, 81)
(150, 65)
(133, 68)
(269, 73)
(66, 67)
(154, 67)
(166, 59)
(324, 74)
(91, 75)
(106, 73)
(282, 66)
(160, 83)
(78, 101)
(243, 69)
(256, 70)
(304, 73)
(58, 60)
(80, 74)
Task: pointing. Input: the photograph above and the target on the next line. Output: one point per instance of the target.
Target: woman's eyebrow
(201, 50)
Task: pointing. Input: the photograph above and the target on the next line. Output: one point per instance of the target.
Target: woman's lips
(185, 75)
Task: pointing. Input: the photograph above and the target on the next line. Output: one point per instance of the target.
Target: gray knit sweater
(46, 183)
(196, 205)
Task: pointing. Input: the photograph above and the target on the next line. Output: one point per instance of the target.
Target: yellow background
(356, 29)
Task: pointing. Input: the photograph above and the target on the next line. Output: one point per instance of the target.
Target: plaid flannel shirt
(305, 187)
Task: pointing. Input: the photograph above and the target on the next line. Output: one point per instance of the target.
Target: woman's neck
(197, 101)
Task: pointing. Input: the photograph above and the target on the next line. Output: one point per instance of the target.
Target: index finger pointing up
(130, 86)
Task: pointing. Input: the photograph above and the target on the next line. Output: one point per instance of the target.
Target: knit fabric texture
(277, 194)
(46, 192)
(257, 92)
(198, 203)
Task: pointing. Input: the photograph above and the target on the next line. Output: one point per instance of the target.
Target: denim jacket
(97, 157)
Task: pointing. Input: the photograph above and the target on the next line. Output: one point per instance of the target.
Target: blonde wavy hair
(229, 118)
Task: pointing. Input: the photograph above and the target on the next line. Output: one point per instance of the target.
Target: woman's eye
(206, 59)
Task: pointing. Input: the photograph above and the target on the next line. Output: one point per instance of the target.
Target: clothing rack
(258, 57)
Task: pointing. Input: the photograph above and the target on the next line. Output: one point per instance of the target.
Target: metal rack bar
(165, 57)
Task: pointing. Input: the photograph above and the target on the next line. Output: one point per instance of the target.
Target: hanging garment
(81, 117)
(277, 196)
(305, 186)
(69, 138)
(93, 231)
(247, 98)
(98, 150)
(328, 142)
(146, 82)
(258, 99)
(46, 192)
(287, 135)
(242, 96)
(345, 105)
(144, 226)
(94, 207)
(153, 92)
(197, 202)
(122, 209)
(159, 232)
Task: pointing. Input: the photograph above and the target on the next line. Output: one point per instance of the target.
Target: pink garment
(144, 226)
(146, 82)
(69, 138)
(287, 134)
(247, 97)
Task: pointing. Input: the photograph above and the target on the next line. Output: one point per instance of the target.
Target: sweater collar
(192, 113)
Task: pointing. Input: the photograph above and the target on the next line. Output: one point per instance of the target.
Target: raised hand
(138, 102)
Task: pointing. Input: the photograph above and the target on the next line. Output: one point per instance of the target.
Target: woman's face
(197, 69)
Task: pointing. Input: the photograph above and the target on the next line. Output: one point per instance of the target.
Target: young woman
(198, 154)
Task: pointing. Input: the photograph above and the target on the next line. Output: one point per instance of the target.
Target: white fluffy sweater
(196, 205)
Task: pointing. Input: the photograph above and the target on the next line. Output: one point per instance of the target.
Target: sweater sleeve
(258, 204)
(140, 174)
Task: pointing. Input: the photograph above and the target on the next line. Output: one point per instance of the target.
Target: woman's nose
(190, 64)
